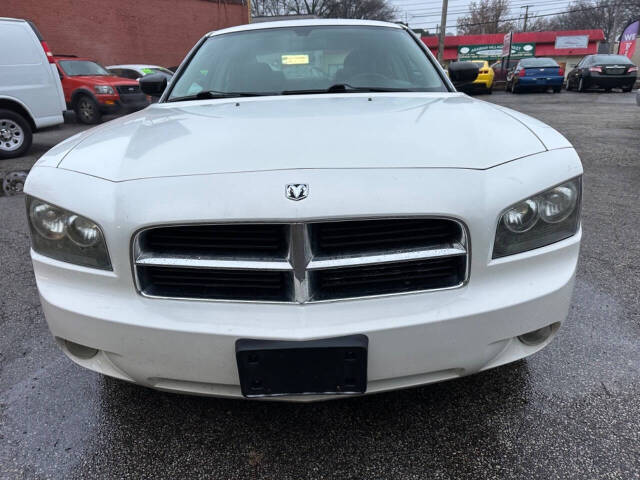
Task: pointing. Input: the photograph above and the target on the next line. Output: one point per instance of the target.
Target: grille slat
(368, 236)
(216, 283)
(339, 260)
(384, 279)
(217, 240)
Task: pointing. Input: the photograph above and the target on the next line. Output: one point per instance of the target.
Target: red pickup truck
(91, 90)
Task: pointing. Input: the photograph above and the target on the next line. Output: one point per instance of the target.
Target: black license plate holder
(331, 366)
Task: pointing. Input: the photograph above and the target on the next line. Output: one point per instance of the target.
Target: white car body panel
(363, 156)
(27, 77)
(398, 131)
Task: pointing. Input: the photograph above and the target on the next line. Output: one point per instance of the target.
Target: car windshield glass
(308, 59)
(611, 60)
(162, 70)
(150, 70)
(479, 63)
(538, 63)
(82, 67)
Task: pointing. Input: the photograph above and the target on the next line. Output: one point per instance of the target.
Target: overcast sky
(426, 13)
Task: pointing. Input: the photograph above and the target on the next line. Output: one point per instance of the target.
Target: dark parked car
(603, 71)
(501, 68)
(535, 74)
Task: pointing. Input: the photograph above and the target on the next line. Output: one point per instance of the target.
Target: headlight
(546, 218)
(103, 89)
(65, 236)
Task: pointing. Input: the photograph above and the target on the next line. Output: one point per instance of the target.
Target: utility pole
(526, 16)
(443, 29)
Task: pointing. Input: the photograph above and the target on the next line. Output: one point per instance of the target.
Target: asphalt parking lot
(570, 411)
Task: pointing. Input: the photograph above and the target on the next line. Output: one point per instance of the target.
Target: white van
(31, 95)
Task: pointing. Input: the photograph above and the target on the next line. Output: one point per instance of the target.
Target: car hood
(297, 132)
(106, 80)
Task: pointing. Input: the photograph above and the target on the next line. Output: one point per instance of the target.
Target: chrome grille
(301, 262)
(128, 89)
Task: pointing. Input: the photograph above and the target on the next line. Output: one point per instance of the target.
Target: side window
(132, 74)
(116, 71)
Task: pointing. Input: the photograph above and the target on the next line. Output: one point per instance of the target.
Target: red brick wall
(126, 31)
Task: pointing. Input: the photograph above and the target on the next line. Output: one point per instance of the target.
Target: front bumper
(118, 103)
(414, 339)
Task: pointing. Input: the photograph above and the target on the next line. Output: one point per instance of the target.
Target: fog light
(80, 351)
(536, 337)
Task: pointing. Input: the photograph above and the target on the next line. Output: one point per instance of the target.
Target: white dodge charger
(308, 211)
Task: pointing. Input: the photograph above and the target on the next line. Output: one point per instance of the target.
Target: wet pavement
(570, 411)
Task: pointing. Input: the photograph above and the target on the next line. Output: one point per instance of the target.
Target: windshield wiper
(207, 94)
(345, 88)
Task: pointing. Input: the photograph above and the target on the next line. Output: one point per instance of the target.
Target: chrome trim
(297, 257)
(186, 262)
(328, 263)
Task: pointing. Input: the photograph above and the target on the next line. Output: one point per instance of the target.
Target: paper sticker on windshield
(295, 59)
(146, 71)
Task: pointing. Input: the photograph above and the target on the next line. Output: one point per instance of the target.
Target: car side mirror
(153, 84)
(462, 73)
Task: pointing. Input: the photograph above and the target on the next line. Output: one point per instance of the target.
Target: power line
(549, 9)
(515, 4)
(538, 16)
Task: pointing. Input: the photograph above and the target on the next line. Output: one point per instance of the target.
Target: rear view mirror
(153, 84)
(462, 73)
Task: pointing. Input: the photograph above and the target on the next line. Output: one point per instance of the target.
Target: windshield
(611, 60)
(150, 70)
(82, 67)
(303, 59)
(538, 62)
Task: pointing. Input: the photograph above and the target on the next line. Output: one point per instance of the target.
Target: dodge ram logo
(297, 191)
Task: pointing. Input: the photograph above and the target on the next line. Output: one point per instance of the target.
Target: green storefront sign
(493, 52)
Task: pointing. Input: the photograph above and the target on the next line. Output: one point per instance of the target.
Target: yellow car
(485, 76)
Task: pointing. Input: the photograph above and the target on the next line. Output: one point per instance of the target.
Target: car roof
(303, 23)
(72, 57)
(9, 19)
(134, 66)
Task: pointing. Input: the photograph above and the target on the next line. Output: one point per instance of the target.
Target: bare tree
(486, 16)
(609, 15)
(362, 9)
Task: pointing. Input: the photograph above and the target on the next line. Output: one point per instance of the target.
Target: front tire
(87, 110)
(15, 134)
(627, 89)
(557, 89)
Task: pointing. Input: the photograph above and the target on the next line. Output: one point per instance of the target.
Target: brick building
(127, 31)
